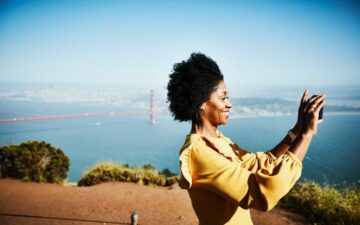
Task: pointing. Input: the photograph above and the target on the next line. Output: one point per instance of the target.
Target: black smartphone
(321, 114)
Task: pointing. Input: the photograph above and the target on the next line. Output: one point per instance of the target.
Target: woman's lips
(226, 113)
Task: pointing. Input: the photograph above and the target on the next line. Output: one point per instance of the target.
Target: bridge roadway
(74, 116)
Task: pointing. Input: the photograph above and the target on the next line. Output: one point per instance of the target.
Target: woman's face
(216, 109)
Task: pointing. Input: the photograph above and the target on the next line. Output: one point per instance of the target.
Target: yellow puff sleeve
(251, 161)
(261, 189)
(255, 161)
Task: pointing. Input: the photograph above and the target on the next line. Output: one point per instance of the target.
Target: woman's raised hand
(308, 113)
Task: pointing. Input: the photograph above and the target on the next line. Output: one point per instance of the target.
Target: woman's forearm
(298, 147)
(285, 143)
(301, 145)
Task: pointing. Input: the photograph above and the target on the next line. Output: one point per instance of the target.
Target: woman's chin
(224, 121)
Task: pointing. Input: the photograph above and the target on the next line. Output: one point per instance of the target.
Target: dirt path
(108, 203)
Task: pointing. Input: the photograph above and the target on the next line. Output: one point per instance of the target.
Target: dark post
(134, 218)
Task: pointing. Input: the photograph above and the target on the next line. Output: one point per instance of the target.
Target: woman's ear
(203, 107)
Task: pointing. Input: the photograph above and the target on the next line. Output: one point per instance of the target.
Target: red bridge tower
(152, 107)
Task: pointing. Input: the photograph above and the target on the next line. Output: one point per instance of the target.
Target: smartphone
(321, 114)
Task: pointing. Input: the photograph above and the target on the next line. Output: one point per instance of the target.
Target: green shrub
(168, 173)
(34, 161)
(325, 204)
(108, 171)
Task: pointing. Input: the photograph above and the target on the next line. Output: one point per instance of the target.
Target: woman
(222, 179)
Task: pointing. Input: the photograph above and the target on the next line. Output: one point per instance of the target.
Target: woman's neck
(204, 129)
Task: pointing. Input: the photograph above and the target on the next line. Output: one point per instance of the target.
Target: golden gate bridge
(152, 113)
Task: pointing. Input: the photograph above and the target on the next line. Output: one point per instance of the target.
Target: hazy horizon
(238, 90)
(247, 101)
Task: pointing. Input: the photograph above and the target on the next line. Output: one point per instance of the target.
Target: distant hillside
(340, 100)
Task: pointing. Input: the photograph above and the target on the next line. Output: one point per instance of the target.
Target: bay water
(333, 156)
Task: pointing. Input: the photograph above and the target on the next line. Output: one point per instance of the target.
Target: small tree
(34, 161)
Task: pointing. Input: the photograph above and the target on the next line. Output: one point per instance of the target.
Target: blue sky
(255, 43)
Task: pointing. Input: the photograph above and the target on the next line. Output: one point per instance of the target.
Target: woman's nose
(229, 104)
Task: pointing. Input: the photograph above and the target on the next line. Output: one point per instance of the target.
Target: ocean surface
(333, 156)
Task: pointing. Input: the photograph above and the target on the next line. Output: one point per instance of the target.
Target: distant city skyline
(135, 43)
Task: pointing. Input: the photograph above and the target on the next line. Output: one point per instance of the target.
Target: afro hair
(191, 83)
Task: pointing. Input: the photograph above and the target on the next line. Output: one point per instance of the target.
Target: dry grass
(325, 204)
(110, 171)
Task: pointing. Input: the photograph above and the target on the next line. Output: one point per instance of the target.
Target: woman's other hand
(308, 115)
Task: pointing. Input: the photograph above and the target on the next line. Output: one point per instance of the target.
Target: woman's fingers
(311, 112)
(303, 99)
(319, 106)
(314, 111)
(313, 102)
(302, 103)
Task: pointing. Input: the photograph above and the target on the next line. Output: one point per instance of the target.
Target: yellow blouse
(224, 181)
